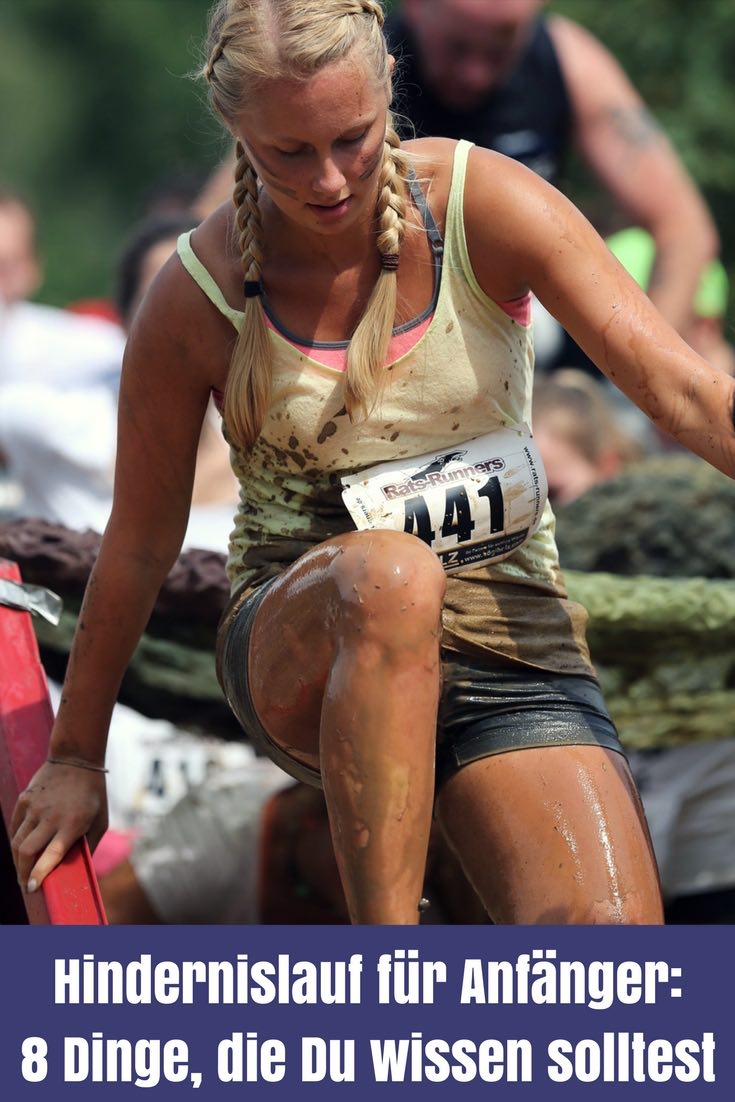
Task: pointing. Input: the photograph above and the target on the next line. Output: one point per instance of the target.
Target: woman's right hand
(60, 805)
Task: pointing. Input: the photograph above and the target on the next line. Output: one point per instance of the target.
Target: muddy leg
(345, 673)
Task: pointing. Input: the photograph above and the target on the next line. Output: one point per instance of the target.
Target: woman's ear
(391, 67)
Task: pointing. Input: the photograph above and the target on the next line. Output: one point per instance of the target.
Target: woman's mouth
(330, 212)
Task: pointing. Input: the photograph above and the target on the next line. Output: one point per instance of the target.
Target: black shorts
(485, 708)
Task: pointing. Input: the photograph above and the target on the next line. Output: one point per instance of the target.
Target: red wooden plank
(70, 894)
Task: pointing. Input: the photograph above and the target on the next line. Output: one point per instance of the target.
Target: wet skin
(553, 835)
(344, 672)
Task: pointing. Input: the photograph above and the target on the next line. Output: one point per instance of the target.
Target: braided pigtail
(369, 347)
(247, 392)
(249, 44)
(374, 8)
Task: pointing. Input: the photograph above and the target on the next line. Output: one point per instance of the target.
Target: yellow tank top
(469, 373)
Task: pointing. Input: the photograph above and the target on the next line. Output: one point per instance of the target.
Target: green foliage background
(679, 54)
(96, 105)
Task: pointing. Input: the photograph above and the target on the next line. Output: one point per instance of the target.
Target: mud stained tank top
(468, 374)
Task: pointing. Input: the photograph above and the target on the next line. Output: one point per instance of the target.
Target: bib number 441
(458, 520)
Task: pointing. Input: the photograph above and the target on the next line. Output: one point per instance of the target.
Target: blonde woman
(399, 630)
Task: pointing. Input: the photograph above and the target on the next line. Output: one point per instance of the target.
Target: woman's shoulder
(436, 151)
(432, 161)
(214, 243)
(435, 158)
(487, 172)
(176, 319)
(498, 195)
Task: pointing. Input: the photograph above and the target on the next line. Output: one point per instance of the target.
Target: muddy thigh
(364, 592)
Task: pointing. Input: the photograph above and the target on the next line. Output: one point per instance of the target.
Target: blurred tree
(97, 111)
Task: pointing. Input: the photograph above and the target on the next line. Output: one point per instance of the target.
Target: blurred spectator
(147, 248)
(218, 187)
(246, 846)
(688, 794)
(42, 343)
(58, 383)
(580, 435)
(250, 846)
(59, 374)
(175, 193)
(502, 76)
(58, 414)
(704, 331)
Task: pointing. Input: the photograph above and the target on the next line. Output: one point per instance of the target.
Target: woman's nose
(330, 180)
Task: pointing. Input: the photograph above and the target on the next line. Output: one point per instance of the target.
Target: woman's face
(317, 145)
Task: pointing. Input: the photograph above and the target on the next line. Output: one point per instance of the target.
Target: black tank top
(528, 117)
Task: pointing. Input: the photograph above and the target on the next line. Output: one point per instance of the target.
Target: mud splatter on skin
(349, 817)
(399, 792)
(351, 774)
(269, 177)
(371, 163)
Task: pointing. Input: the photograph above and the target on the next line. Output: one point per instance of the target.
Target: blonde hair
(251, 42)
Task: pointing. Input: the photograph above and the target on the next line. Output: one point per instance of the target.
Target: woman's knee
(388, 582)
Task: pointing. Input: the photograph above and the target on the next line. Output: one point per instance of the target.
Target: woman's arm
(522, 233)
(636, 164)
(163, 396)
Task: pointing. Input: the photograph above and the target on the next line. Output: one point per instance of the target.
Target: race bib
(472, 506)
